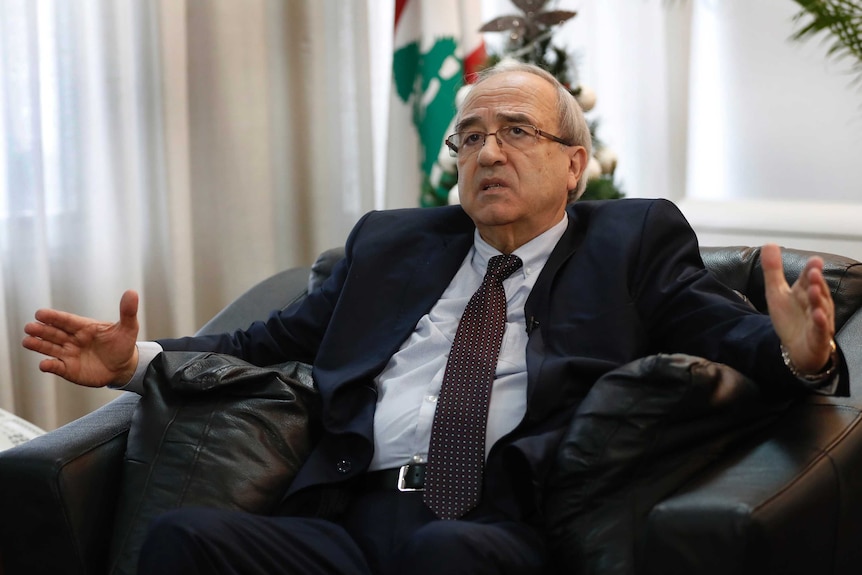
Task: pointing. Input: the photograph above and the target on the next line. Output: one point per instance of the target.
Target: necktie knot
(501, 267)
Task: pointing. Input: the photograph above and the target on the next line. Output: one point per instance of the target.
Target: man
(595, 285)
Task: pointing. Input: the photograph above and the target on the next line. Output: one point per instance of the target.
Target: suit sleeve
(687, 310)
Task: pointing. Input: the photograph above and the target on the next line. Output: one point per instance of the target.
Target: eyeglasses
(520, 137)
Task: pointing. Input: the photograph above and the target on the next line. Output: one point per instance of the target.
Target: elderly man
(451, 347)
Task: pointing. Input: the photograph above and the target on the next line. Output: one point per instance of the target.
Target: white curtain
(80, 155)
(185, 149)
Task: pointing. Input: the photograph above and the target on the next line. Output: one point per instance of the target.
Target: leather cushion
(740, 268)
(640, 432)
(212, 431)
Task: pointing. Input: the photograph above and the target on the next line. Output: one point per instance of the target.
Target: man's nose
(492, 151)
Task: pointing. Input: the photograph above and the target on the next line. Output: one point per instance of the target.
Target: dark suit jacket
(626, 280)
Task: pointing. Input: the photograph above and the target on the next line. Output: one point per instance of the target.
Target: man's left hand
(803, 314)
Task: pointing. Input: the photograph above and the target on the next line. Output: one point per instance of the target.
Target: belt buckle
(402, 480)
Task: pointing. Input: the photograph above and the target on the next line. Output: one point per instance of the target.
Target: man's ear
(577, 165)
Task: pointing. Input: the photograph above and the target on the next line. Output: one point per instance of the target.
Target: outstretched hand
(803, 314)
(86, 351)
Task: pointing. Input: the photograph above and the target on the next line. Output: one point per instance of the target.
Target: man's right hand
(85, 351)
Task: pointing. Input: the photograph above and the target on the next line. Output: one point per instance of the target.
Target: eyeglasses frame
(454, 149)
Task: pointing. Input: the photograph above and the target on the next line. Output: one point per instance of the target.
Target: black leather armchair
(786, 499)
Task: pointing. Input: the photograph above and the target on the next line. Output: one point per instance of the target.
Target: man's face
(513, 195)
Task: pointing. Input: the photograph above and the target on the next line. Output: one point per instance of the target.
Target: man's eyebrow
(515, 118)
(503, 117)
(466, 123)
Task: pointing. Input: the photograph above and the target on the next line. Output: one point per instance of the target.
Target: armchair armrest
(58, 494)
(59, 491)
(786, 503)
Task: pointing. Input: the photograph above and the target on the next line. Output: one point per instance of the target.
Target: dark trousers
(383, 532)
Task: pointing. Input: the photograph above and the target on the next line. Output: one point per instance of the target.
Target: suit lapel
(431, 275)
(421, 270)
(538, 305)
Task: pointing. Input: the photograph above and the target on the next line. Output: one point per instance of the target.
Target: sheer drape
(184, 149)
(81, 154)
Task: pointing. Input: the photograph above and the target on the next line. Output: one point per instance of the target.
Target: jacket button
(344, 466)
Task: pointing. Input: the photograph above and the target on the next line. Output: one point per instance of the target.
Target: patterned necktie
(456, 455)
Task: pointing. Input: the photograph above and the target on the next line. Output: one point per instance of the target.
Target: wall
(709, 103)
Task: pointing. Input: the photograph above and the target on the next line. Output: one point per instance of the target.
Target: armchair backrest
(739, 268)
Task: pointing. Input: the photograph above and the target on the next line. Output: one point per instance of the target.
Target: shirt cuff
(147, 352)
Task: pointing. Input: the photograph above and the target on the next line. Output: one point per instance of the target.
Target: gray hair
(573, 126)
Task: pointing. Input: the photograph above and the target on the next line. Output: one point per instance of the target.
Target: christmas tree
(530, 39)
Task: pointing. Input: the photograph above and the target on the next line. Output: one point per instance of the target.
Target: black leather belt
(405, 478)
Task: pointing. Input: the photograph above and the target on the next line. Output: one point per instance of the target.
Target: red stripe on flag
(473, 61)
(399, 9)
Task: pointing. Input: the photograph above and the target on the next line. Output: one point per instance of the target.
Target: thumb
(129, 310)
(773, 269)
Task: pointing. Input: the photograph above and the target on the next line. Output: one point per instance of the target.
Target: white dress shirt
(408, 386)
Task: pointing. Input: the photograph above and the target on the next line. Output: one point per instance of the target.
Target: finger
(54, 366)
(36, 344)
(818, 282)
(811, 273)
(814, 262)
(816, 285)
(44, 347)
(820, 298)
(818, 295)
(129, 310)
(820, 318)
(68, 322)
(47, 332)
(773, 269)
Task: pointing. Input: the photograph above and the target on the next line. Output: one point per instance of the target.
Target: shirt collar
(534, 254)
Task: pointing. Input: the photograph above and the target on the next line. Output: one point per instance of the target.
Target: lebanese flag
(437, 45)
